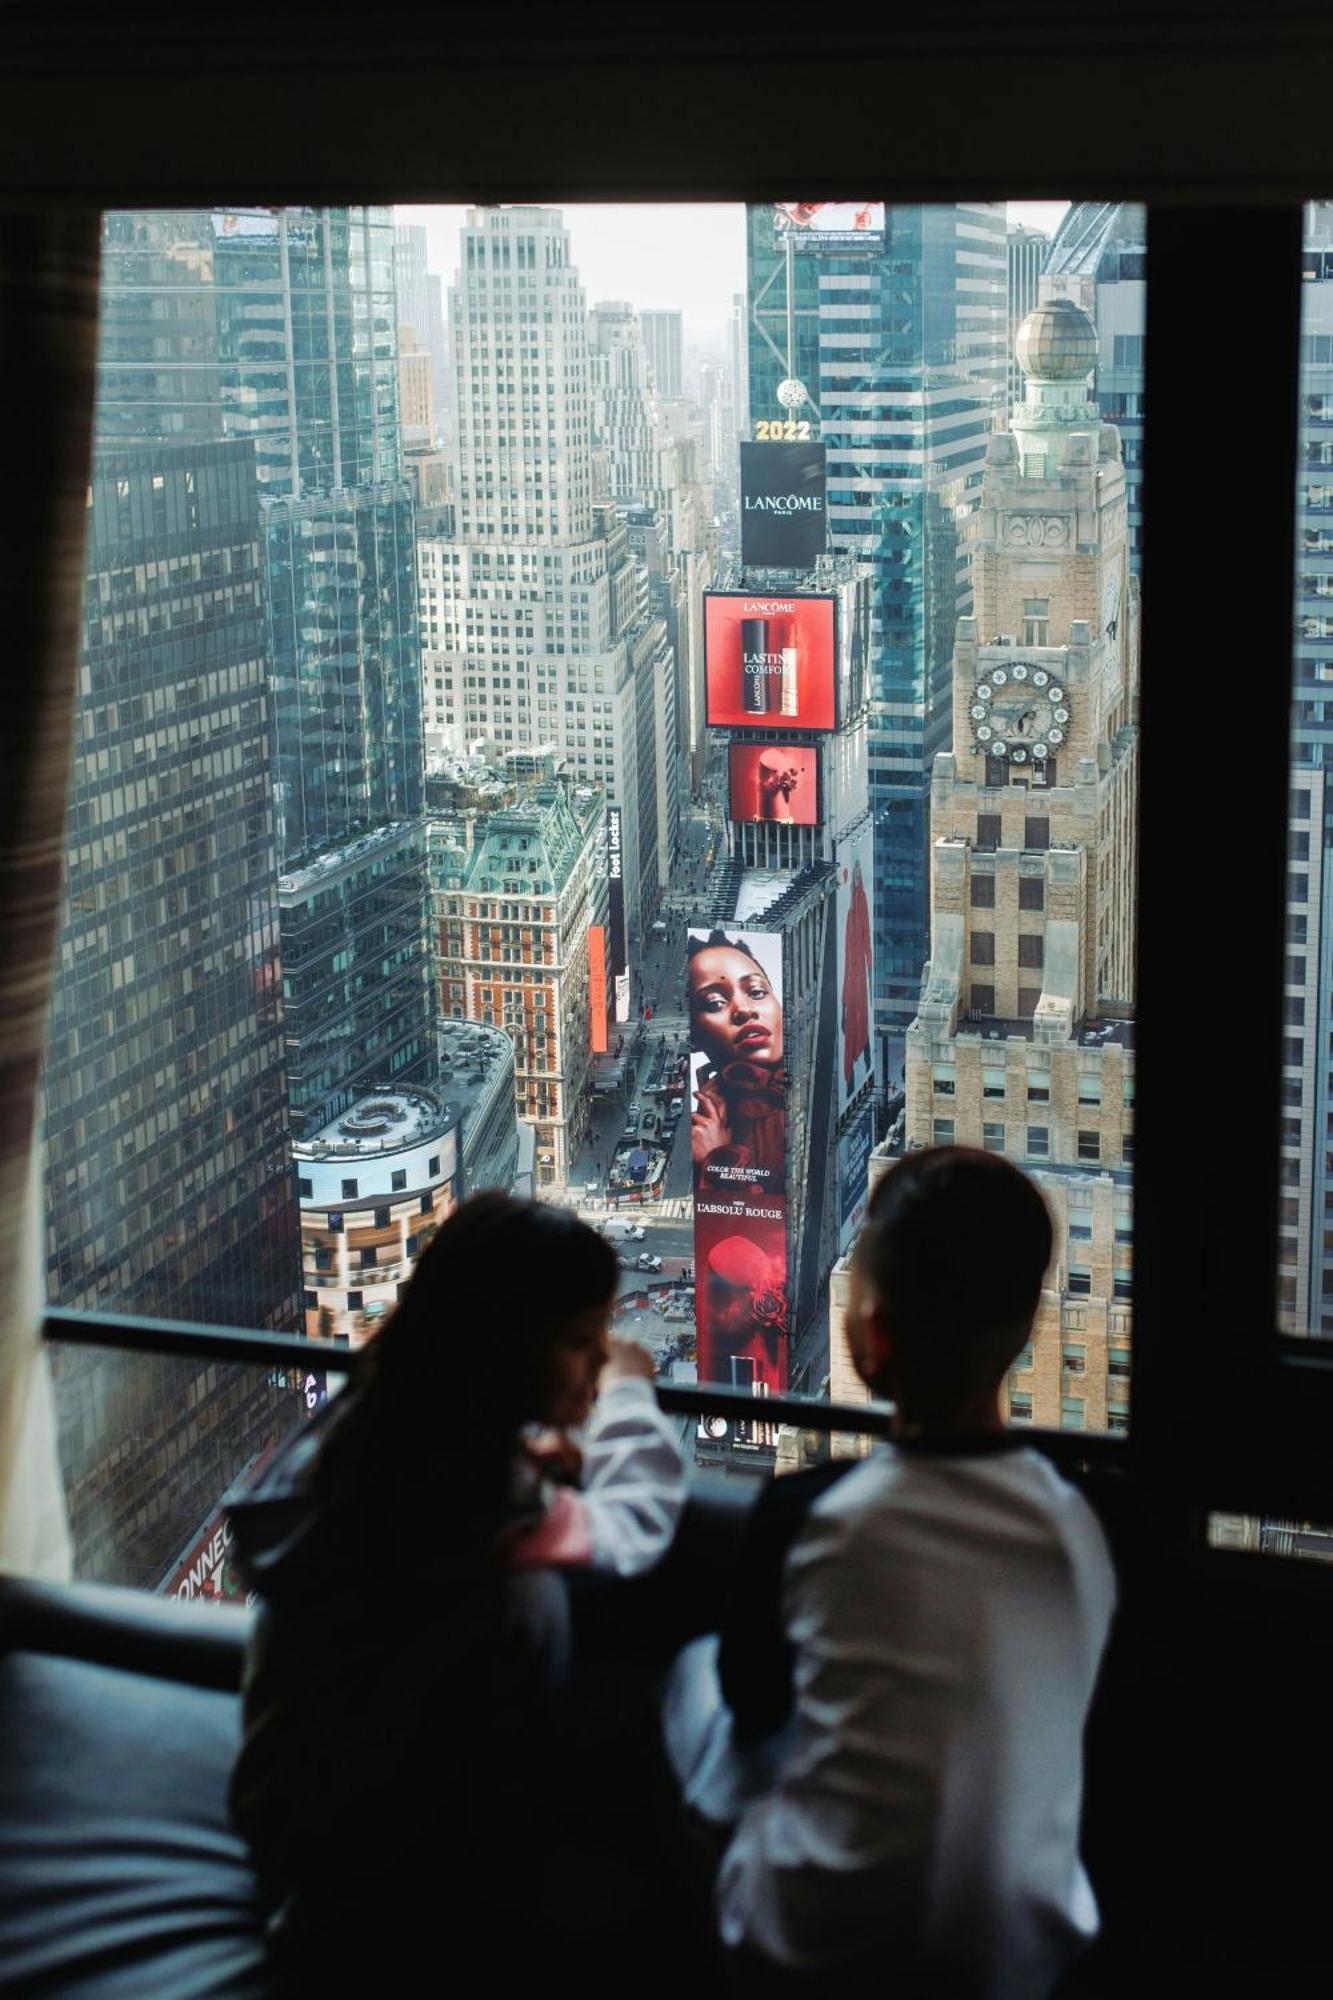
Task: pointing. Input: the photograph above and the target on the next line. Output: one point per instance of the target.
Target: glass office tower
(169, 1189)
(280, 326)
(896, 330)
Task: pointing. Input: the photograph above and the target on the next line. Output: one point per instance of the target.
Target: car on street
(647, 1262)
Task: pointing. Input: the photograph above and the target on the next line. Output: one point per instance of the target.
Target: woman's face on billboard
(734, 1012)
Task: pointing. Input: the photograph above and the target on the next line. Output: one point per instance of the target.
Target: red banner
(599, 1040)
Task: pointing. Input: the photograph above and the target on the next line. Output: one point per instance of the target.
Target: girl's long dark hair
(421, 1446)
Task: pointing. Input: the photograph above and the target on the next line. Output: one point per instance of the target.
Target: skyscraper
(169, 1188)
(664, 338)
(280, 326)
(541, 603)
(892, 320)
(1305, 1255)
(1099, 259)
(1026, 250)
(1023, 1042)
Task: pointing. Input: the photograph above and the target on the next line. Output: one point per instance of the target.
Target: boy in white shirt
(946, 1604)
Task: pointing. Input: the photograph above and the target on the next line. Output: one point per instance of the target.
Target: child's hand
(556, 1457)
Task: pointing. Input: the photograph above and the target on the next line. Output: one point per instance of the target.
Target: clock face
(1111, 605)
(1019, 712)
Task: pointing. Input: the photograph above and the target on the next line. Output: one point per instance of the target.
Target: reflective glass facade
(899, 339)
(168, 1187)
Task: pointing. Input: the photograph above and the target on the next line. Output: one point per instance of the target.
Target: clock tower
(1023, 1040)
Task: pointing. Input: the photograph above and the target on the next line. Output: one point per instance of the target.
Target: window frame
(1228, 1412)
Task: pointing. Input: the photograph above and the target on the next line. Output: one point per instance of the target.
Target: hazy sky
(690, 255)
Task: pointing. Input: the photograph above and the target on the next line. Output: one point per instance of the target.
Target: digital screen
(775, 783)
(782, 505)
(769, 661)
(738, 1143)
(829, 218)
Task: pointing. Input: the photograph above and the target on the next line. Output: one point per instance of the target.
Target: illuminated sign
(775, 783)
(739, 1143)
(597, 1013)
(782, 504)
(818, 221)
(769, 660)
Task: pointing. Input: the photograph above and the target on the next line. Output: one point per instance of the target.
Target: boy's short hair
(956, 1244)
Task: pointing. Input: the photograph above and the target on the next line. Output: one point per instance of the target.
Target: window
(1089, 1089)
(1028, 997)
(1073, 1359)
(310, 1300)
(355, 1301)
(368, 1257)
(983, 999)
(944, 1075)
(335, 1222)
(1038, 1142)
(1020, 1407)
(1031, 950)
(1036, 832)
(992, 1138)
(398, 1179)
(1089, 1146)
(942, 1131)
(433, 1165)
(1031, 892)
(426, 1205)
(305, 1187)
(1080, 1281)
(992, 1081)
(1072, 1413)
(381, 1218)
(983, 947)
(1037, 621)
(1039, 1087)
(988, 831)
(349, 1190)
(983, 892)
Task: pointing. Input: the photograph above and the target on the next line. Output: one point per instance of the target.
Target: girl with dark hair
(409, 1680)
(738, 1131)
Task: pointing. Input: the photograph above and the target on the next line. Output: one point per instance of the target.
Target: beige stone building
(1023, 1042)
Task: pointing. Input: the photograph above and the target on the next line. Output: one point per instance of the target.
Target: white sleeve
(828, 1871)
(633, 1479)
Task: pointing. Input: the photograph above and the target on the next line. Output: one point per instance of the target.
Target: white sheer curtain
(48, 356)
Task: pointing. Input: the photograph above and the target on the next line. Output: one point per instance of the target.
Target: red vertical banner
(738, 1135)
(599, 1040)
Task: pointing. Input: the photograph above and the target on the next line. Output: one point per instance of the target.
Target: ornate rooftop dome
(1057, 342)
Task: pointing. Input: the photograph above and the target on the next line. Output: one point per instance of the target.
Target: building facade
(514, 894)
(375, 1185)
(664, 340)
(477, 1079)
(280, 326)
(1026, 251)
(538, 592)
(1099, 259)
(1023, 1041)
(168, 1184)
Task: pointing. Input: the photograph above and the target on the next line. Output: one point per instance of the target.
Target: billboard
(782, 505)
(856, 982)
(817, 219)
(738, 1143)
(615, 897)
(775, 783)
(769, 659)
(853, 1177)
(597, 1014)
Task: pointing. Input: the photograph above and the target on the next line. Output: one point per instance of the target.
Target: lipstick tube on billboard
(754, 666)
(791, 682)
